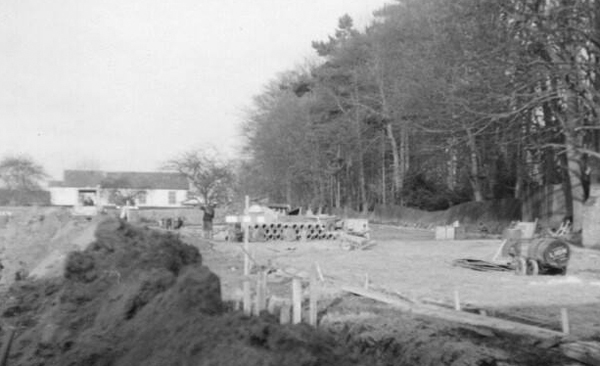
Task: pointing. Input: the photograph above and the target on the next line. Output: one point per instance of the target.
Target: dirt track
(411, 263)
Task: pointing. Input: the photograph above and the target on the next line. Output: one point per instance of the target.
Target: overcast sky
(128, 84)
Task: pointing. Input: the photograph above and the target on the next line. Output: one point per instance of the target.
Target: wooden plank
(456, 316)
(585, 352)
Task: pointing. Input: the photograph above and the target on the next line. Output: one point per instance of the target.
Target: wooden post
(246, 241)
(456, 301)
(366, 281)
(564, 317)
(261, 292)
(318, 268)
(296, 301)
(314, 296)
(271, 303)
(247, 298)
(284, 314)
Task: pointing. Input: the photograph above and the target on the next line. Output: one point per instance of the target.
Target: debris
(353, 242)
(481, 265)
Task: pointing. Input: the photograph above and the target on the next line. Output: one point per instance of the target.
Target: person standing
(207, 220)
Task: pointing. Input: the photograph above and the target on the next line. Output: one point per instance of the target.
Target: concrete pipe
(289, 234)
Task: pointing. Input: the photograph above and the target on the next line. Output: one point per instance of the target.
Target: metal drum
(544, 255)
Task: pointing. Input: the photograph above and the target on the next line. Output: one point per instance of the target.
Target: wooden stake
(314, 296)
(564, 317)
(247, 298)
(246, 240)
(296, 301)
(456, 301)
(319, 272)
(284, 314)
(366, 281)
(261, 292)
(271, 305)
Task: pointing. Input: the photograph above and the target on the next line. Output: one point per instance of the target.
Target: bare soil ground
(409, 262)
(136, 296)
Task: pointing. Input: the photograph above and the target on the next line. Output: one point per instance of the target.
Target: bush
(426, 194)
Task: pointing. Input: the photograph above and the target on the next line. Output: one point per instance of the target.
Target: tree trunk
(362, 204)
(383, 180)
(474, 176)
(396, 168)
(404, 156)
(574, 178)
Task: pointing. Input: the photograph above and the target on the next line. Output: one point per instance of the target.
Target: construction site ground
(410, 263)
(101, 292)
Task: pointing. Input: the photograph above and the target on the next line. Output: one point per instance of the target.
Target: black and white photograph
(300, 183)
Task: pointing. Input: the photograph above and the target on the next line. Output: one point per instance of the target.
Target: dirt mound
(401, 339)
(37, 239)
(494, 215)
(139, 297)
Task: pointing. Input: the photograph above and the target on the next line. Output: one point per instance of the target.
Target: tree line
(435, 103)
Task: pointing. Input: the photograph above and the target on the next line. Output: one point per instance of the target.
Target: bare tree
(21, 173)
(210, 175)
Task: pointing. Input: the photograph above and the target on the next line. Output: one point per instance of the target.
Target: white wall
(160, 198)
(62, 196)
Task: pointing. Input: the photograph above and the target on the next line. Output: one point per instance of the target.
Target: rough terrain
(137, 296)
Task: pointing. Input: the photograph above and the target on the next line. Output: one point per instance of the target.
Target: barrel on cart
(543, 256)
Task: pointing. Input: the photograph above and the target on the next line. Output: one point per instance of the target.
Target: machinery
(531, 255)
(542, 256)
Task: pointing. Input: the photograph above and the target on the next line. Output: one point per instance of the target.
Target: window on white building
(141, 198)
(172, 197)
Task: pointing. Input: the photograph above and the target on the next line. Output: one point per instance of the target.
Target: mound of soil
(36, 240)
(494, 215)
(140, 297)
(394, 338)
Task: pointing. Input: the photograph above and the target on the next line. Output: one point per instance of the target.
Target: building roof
(131, 180)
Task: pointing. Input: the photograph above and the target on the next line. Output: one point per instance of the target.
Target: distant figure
(207, 220)
(178, 223)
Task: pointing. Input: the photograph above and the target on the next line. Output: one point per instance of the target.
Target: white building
(98, 188)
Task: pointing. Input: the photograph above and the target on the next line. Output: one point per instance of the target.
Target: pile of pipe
(290, 231)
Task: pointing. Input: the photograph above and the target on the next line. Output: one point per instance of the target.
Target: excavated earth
(136, 296)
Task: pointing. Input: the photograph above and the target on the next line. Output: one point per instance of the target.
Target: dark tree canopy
(480, 99)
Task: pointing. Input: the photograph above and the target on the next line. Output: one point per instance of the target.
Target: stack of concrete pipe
(290, 231)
